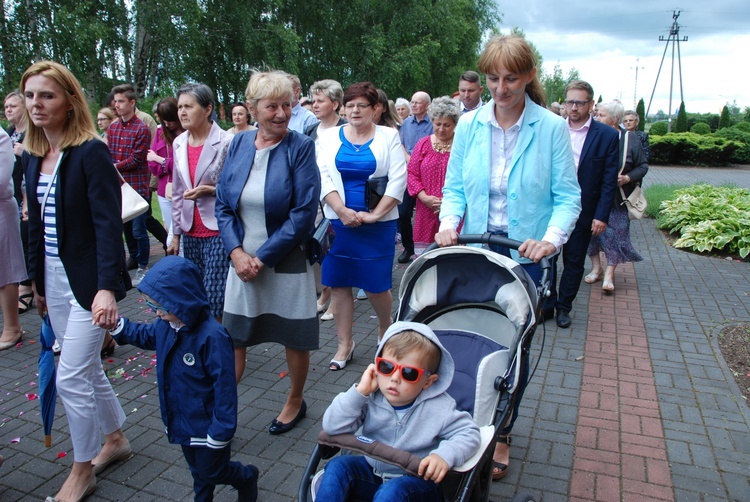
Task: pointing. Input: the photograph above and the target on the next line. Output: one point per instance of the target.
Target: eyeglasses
(408, 373)
(579, 104)
(101, 119)
(358, 106)
(156, 307)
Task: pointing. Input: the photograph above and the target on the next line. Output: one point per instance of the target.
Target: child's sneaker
(249, 492)
(139, 275)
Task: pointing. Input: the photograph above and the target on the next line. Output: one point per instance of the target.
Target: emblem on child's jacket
(188, 359)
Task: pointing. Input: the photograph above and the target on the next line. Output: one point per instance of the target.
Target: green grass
(656, 194)
(156, 208)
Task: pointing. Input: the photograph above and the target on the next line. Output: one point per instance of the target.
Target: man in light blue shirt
(414, 128)
(302, 118)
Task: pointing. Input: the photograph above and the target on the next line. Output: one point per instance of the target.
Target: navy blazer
(291, 194)
(597, 172)
(88, 208)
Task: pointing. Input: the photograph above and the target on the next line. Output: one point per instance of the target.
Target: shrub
(742, 126)
(742, 154)
(658, 129)
(725, 120)
(701, 128)
(709, 218)
(691, 148)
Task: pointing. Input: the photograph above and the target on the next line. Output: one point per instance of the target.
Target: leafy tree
(640, 109)
(725, 120)
(681, 124)
(554, 85)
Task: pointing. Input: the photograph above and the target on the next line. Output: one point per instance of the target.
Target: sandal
(500, 470)
(593, 277)
(340, 365)
(26, 304)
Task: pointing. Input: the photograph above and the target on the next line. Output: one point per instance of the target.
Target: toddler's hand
(369, 382)
(432, 467)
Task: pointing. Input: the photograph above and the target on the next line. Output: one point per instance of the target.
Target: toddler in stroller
(483, 308)
(401, 401)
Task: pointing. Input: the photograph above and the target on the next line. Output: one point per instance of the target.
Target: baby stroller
(484, 308)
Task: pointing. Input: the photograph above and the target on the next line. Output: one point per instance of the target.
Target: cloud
(605, 41)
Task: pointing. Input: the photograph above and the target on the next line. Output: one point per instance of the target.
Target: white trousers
(166, 215)
(90, 403)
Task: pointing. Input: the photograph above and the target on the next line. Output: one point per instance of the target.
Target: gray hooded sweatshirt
(431, 425)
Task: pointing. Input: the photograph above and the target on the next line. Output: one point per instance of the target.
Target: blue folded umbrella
(47, 387)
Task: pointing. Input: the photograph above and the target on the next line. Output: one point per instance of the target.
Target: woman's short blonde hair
(79, 127)
(268, 85)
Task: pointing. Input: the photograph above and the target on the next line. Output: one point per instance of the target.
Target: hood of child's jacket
(175, 283)
(445, 368)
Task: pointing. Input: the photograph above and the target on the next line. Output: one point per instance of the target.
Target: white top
(389, 158)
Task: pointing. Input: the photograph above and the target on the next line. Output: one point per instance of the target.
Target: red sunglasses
(409, 373)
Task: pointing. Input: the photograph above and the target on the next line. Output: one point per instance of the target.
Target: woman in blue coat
(267, 200)
(511, 173)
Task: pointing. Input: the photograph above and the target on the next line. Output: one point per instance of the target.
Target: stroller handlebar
(488, 238)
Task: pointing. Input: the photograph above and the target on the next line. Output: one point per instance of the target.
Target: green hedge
(694, 149)
(736, 133)
(658, 129)
(742, 126)
(709, 218)
(701, 128)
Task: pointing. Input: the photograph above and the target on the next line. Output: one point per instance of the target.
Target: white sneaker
(139, 275)
(56, 348)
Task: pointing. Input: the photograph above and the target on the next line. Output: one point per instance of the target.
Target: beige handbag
(133, 205)
(636, 202)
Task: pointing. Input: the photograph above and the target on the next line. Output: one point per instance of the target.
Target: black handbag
(320, 242)
(375, 191)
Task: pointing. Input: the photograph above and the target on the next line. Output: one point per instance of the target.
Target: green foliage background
(158, 45)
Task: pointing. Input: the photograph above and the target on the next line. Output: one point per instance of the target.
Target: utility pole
(635, 87)
(674, 37)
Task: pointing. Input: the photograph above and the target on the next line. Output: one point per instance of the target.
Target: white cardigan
(389, 158)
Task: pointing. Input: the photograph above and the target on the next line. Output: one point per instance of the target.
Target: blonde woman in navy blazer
(76, 261)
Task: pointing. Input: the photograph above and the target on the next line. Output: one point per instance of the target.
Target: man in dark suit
(595, 150)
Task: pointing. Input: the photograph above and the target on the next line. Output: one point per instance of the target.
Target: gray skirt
(277, 306)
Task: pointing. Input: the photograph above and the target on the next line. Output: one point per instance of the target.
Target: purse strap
(625, 152)
(624, 161)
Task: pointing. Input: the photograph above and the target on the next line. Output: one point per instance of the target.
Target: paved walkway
(633, 402)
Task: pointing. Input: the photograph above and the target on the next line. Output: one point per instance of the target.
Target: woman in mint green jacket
(512, 173)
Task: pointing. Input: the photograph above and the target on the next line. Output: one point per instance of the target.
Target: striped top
(49, 218)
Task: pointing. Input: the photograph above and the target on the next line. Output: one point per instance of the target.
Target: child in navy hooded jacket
(195, 365)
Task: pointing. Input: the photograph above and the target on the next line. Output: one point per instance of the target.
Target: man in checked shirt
(129, 140)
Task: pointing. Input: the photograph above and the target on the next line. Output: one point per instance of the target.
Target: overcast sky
(603, 39)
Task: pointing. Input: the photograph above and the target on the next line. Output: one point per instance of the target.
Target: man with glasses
(412, 130)
(596, 155)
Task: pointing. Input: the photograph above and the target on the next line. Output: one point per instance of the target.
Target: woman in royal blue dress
(363, 251)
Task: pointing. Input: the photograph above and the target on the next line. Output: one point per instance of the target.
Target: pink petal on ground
(15, 440)
(283, 374)
(62, 454)
(31, 396)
